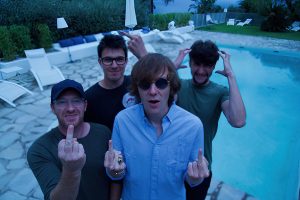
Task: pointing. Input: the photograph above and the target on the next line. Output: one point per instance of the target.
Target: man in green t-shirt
(207, 99)
(68, 160)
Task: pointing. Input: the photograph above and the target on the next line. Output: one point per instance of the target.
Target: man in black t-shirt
(110, 95)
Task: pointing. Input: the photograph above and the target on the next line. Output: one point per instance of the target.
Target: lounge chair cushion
(145, 30)
(66, 43)
(77, 40)
(90, 38)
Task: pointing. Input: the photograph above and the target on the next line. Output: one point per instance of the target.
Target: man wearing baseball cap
(68, 160)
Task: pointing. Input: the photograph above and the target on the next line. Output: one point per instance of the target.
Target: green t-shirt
(43, 160)
(204, 102)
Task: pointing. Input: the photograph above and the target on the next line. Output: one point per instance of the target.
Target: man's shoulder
(217, 85)
(129, 112)
(99, 127)
(185, 82)
(92, 89)
(184, 115)
(45, 141)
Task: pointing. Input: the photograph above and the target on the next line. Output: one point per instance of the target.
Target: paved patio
(20, 126)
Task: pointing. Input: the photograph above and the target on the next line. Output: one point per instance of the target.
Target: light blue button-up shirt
(156, 166)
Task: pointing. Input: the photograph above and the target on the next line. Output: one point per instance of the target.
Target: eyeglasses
(109, 60)
(62, 103)
(160, 83)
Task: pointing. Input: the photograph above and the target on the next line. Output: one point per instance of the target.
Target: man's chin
(200, 83)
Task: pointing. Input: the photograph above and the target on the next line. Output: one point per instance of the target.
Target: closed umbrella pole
(130, 16)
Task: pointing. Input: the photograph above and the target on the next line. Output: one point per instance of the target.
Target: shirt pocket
(177, 161)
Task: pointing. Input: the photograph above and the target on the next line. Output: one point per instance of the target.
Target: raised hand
(135, 45)
(227, 71)
(181, 55)
(114, 160)
(198, 169)
(71, 153)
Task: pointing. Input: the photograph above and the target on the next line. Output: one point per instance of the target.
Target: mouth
(71, 117)
(153, 102)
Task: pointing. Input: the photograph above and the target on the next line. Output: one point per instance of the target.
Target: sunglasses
(160, 83)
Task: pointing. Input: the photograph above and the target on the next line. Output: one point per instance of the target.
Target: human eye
(77, 101)
(120, 58)
(61, 102)
(107, 60)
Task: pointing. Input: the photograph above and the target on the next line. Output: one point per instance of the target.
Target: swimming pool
(262, 158)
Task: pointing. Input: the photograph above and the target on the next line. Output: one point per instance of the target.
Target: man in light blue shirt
(160, 142)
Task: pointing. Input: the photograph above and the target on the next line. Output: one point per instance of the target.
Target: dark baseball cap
(58, 88)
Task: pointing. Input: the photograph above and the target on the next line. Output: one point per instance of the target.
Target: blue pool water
(263, 157)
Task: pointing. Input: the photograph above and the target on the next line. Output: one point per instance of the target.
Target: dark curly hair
(149, 68)
(113, 42)
(204, 52)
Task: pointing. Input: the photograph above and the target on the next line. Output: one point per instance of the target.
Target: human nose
(114, 63)
(70, 106)
(200, 69)
(153, 89)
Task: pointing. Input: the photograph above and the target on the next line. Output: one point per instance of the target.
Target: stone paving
(20, 126)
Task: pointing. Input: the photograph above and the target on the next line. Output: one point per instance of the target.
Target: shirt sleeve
(116, 138)
(198, 144)
(44, 168)
(224, 94)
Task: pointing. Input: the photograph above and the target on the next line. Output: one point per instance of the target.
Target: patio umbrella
(130, 17)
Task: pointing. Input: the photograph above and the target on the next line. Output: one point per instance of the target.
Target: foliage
(293, 7)
(251, 30)
(160, 21)
(248, 5)
(279, 13)
(20, 36)
(232, 8)
(83, 17)
(276, 21)
(44, 38)
(204, 6)
(7, 47)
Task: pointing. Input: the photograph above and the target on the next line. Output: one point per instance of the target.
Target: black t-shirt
(104, 104)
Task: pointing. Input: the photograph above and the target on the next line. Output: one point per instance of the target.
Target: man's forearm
(67, 187)
(237, 111)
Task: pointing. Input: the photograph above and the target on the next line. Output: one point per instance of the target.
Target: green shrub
(7, 47)
(276, 21)
(44, 36)
(20, 35)
(182, 19)
(83, 17)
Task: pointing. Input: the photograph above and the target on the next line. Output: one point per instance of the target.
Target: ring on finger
(68, 143)
(120, 160)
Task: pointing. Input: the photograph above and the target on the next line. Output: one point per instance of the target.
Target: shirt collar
(169, 116)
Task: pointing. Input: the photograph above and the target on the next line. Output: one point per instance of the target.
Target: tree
(152, 5)
(203, 6)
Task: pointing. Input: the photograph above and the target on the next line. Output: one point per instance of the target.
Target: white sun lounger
(231, 22)
(10, 91)
(247, 21)
(43, 72)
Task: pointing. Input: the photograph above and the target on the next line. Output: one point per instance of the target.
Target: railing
(219, 18)
(200, 19)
